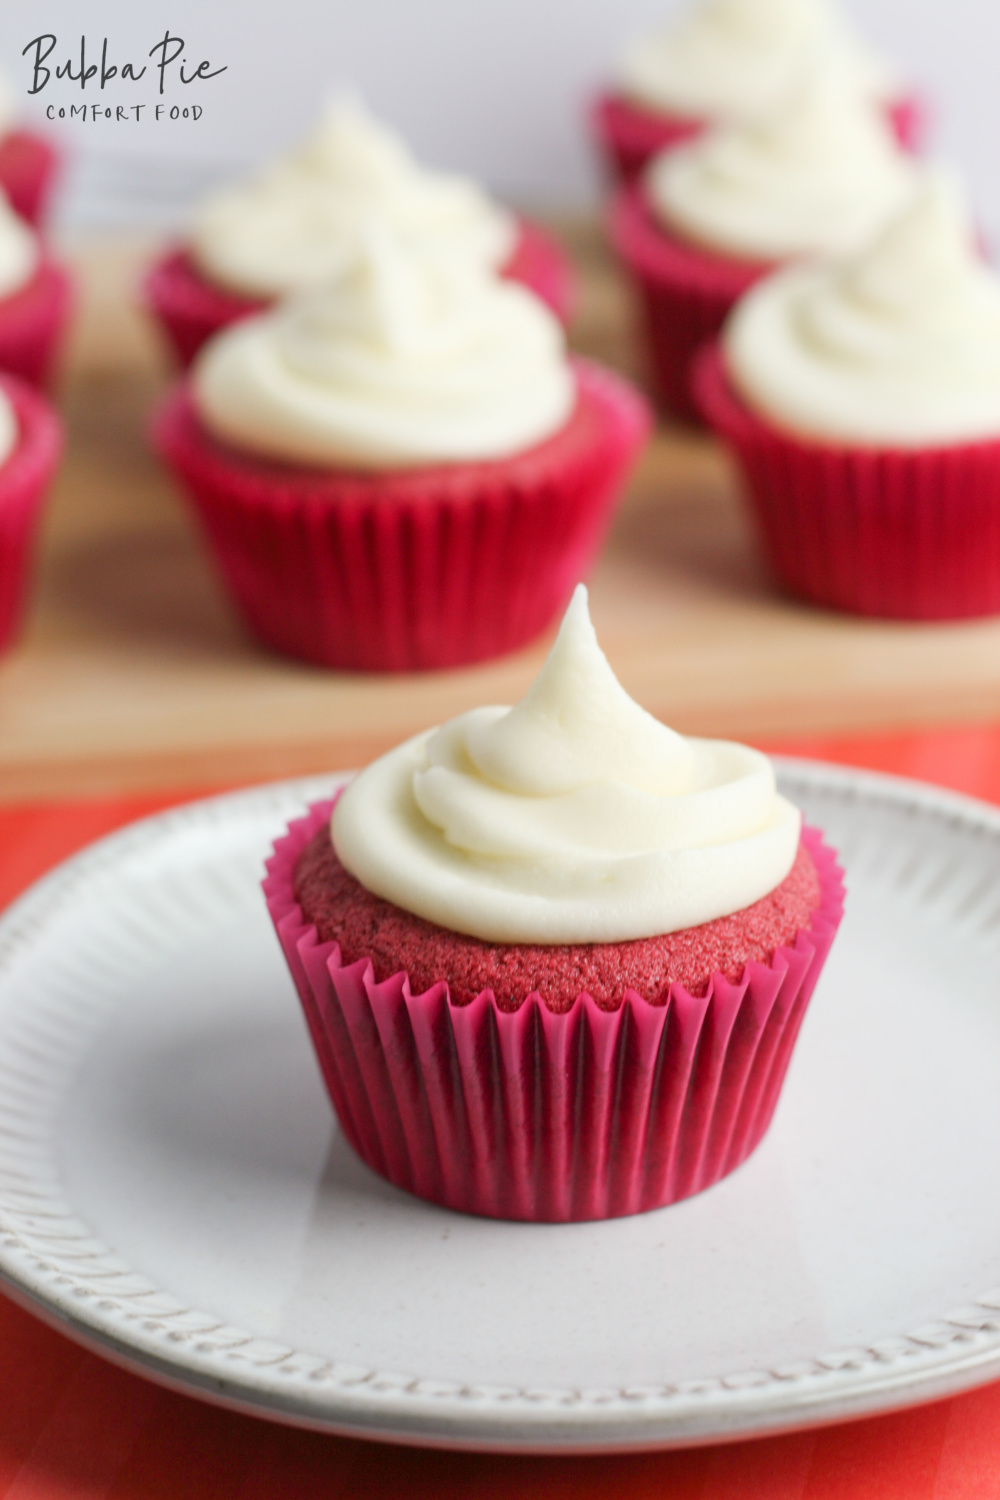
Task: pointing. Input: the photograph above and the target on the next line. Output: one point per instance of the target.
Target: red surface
(73, 1426)
(418, 568)
(893, 533)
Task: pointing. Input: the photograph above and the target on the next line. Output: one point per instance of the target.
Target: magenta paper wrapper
(190, 309)
(629, 135)
(889, 532)
(29, 167)
(412, 569)
(685, 295)
(32, 323)
(24, 479)
(590, 1114)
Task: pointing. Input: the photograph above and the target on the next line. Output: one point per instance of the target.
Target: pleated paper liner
(890, 533)
(24, 480)
(685, 294)
(412, 569)
(629, 135)
(527, 1114)
(33, 321)
(29, 169)
(190, 309)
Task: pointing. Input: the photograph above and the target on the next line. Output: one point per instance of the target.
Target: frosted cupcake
(712, 217)
(554, 958)
(35, 298)
(30, 447)
(403, 470)
(735, 62)
(298, 222)
(863, 403)
(29, 164)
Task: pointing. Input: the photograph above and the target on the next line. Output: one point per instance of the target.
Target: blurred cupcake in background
(709, 218)
(733, 62)
(298, 222)
(35, 300)
(402, 469)
(862, 401)
(29, 164)
(31, 441)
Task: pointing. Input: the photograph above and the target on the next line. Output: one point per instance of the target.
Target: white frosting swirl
(736, 60)
(821, 176)
(402, 360)
(19, 254)
(574, 817)
(8, 429)
(898, 346)
(296, 223)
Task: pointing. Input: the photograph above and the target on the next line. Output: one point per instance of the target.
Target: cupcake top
(8, 429)
(899, 346)
(403, 359)
(18, 250)
(294, 224)
(820, 176)
(738, 59)
(574, 817)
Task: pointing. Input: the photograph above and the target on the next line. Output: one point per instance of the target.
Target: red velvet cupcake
(35, 297)
(553, 1078)
(356, 542)
(31, 443)
(712, 217)
(29, 169)
(862, 403)
(296, 223)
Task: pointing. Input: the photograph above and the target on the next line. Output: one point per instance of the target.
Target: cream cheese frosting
(403, 359)
(736, 60)
(820, 176)
(574, 817)
(899, 345)
(295, 224)
(8, 429)
(19, 253)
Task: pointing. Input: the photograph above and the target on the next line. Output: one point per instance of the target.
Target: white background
(495, 87)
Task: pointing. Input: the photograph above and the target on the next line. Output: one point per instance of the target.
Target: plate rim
(244, 1372)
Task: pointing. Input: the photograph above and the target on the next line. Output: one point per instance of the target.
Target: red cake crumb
(365, 926)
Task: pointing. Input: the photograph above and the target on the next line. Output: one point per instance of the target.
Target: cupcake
(29, 164)
(734, 62)
(30, 447)
(710, 218)
(862, 402)
(554, 958)
(403, 470)
(294, 226)
(35, 300)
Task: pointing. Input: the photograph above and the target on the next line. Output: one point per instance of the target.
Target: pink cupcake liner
(24, 479)
(525, 1114)
(628, 135)
(415, 569)
(32, 323)
(191, 309)
(685, 295)
(887, 532)
(29, 167)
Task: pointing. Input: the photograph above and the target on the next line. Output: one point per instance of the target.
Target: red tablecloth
(72, 1425)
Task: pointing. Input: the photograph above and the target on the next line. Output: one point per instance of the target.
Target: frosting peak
(737, 60)
(819, 176)
(574, 817)
(401, 359)
(898, 345)
(296, 223)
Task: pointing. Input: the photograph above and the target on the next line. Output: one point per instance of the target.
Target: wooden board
(133, 671)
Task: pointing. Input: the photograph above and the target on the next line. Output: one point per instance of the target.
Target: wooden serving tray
(133, 671)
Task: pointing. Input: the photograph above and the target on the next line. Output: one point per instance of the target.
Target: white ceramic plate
(174, 1192)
